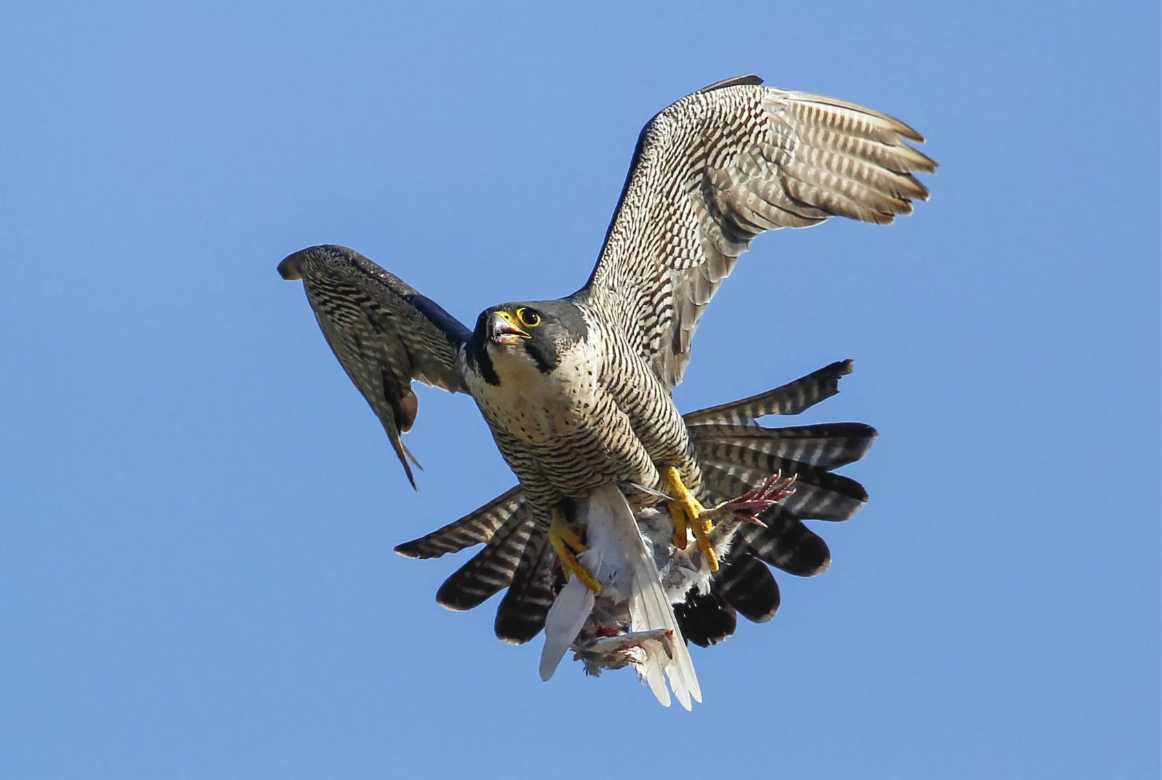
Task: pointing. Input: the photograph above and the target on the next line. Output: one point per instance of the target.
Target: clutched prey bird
(577, 391)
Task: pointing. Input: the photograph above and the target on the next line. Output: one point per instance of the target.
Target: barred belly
(600, 416)
(569, 456)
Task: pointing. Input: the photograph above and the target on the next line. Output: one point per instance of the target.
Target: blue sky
(198, 510)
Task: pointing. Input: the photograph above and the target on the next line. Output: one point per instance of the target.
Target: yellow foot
(687, 512)
(566, 542)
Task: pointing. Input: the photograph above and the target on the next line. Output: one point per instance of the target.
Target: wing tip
(737, 81)
(291, 268)
(907, 131)
(404, 455)
(925, 163)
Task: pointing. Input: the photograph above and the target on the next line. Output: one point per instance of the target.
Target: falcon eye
(528, 317)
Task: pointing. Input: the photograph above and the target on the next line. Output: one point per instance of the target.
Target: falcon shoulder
(384, 333)
(719, 167)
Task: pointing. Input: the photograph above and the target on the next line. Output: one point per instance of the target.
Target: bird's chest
(537, 407)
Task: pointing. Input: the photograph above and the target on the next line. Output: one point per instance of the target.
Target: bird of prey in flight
(577, 391)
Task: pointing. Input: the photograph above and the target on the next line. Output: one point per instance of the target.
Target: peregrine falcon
(577, 391)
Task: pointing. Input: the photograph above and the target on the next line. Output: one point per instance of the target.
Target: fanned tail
(737, 454)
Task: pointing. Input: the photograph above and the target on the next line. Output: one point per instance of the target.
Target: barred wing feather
(721, 166)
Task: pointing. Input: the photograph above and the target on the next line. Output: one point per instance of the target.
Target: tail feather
(474, 528)
(787, 544)
(521, 614)
(791, 398)
(706, 619)
(492, 569)
(747, 585)
(822, 446)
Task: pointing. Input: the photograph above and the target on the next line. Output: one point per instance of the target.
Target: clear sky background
(198, 509)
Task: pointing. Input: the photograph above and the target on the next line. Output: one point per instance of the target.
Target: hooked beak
(502, 329)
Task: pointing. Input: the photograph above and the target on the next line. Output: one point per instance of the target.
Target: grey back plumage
(719, 167)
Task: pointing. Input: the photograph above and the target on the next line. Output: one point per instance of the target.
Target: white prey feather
(633, 593)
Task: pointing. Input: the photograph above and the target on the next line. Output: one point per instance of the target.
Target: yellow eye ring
(528, 317)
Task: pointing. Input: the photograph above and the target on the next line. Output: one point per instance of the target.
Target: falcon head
(525, 335)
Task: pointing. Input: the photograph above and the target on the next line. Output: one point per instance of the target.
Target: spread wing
(383, 332)
(719, 167)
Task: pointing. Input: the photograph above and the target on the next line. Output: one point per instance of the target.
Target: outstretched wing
(719, 167)
(383, 332)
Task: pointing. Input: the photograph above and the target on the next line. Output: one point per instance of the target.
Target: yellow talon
(563, 537)
(687, 512)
